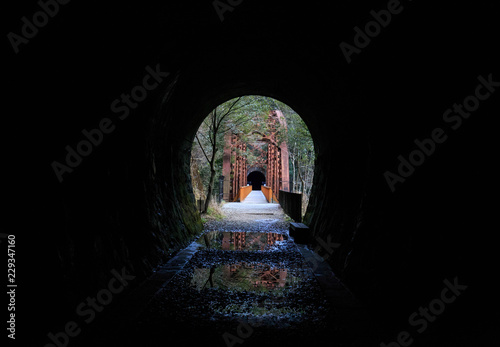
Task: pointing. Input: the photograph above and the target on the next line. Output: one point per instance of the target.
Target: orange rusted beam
(244, 191)
(268, 193)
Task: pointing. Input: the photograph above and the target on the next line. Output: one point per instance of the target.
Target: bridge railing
(291, 203)
(268, 193)
(243, 193)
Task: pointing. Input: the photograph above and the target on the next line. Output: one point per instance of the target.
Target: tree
(247, 117)
(236, 115)
(300, 151)
(213, 125)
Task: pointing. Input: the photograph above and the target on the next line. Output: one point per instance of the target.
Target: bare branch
(229, 111)
(199, 143)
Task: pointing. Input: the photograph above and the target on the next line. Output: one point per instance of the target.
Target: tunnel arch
(278, 172)
(333, 113)
(256, 168)
(256, 179)
(342, 136)
(130, 203)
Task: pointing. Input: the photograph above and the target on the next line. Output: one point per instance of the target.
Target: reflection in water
(242, 276)
(265, 290)
(241, 240)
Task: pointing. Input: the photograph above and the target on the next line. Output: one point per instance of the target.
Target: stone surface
(317, 306)
(300, 233)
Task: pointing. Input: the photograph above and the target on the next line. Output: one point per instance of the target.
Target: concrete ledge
(299, 232)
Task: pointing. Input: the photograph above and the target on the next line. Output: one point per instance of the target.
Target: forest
(246, 117)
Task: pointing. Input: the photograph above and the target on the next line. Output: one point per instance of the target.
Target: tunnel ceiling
(253, 169)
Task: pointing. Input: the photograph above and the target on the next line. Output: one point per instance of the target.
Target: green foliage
(247, 117)
(215, 212)
(301, 153)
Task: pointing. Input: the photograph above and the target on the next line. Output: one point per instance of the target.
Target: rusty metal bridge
(268, 173)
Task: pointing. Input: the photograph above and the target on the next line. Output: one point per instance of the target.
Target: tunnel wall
(130, 203)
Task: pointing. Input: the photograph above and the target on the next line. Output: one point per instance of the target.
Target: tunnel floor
(244, 280)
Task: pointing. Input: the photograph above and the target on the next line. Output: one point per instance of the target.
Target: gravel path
(300, 307)
(214, 299)
(250, 217)
(208, 296)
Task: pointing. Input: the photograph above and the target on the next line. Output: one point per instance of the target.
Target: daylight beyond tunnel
(251, 140)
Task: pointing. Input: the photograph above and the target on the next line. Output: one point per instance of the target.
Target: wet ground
(244, 281)
(269, 285)
(248, 282)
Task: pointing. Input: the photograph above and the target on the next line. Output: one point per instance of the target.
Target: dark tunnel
(124, 199)
(256, 179)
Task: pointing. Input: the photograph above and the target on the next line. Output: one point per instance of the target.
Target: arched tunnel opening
(253, 140)
(396, 227)
(256, 179)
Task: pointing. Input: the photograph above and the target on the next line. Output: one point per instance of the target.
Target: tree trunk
(210, 188)
(212, 163)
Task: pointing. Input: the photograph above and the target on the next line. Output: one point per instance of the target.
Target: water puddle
(241, 240)
(250, 275)
(247, 277)
(256, 290)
